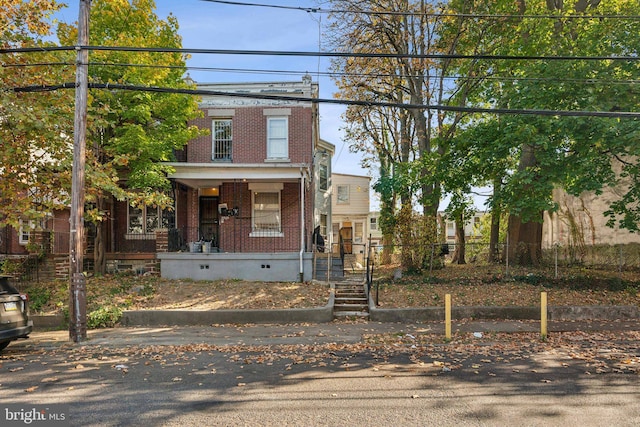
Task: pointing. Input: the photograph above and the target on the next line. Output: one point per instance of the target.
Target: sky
(210, 25)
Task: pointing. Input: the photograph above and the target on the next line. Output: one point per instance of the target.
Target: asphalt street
(359, 374)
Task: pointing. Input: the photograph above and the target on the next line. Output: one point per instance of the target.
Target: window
(373, 224)
(222, 134)
(266, 213)
(358, 233)
(25, 231)
(324, 176)
(277, 138)
(148, 219)
(323, 226)
(343, 194)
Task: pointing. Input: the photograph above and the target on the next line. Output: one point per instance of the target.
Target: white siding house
(350, 212)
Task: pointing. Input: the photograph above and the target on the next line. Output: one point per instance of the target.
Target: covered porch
(245, 222)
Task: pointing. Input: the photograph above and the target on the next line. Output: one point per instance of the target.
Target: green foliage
(106, 316)
(131, 132)
(38, 298)
(34, 126)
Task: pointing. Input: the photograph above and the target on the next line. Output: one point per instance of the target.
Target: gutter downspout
(302, 228)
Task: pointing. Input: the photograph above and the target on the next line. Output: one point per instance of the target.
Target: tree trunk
(496, 212)
(460, 253)
(525, 241)
(525, 238)
(99, 257)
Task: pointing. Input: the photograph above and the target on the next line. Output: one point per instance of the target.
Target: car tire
(4, 345)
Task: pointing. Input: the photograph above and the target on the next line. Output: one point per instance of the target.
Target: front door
(208, 229)
(346, 236)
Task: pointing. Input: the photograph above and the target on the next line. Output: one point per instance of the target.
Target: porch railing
(239, 237)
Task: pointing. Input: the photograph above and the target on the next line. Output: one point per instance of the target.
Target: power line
(585, 80)
(263, 96)
(417, 13)
(320, 54)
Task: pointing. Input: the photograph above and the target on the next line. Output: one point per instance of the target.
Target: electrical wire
(416, 13)
(303, 99)
(586, 80)
(321, 54)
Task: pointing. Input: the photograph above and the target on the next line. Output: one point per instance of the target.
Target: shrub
(104, 317)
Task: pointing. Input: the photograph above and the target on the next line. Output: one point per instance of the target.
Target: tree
(35, 126)
(132, 132)
(410, 30)
(575, 153)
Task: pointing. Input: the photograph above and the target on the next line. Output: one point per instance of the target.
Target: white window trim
(213, 135)
(285, 157)
(338, 201)
(323, 165)
(30, 225)
(267, 187)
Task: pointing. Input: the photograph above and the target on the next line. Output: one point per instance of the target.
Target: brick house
(245, 194)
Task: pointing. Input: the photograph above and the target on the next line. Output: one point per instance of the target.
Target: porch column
(302, 223)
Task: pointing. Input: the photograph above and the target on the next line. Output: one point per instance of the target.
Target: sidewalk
(298, 333)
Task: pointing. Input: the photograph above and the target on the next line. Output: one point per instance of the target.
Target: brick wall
(250, 135)
(234, 231)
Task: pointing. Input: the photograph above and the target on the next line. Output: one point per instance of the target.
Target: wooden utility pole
(78, 287)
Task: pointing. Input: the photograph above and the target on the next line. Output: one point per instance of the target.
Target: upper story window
(373, 224)
(343, 194)
(277, 137)
(222, 135)
(323, 175)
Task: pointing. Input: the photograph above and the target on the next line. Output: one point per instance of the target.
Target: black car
(14, 320)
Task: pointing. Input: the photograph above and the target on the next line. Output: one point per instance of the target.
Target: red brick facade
(250, 134)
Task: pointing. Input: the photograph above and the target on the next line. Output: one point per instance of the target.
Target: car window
(6, 288)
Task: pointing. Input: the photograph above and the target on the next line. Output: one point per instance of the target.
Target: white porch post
(302, 228)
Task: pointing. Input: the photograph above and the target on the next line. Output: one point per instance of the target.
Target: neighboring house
(471, 228)
(350, 213)
(375, 232)
(580, 221)
(322, 177)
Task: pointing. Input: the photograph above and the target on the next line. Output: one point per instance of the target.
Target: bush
(38, 298)
(104, 317)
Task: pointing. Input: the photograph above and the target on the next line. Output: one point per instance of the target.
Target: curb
(210, 317)
(325, 315)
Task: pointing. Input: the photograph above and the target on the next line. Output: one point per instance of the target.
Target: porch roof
(208, 174)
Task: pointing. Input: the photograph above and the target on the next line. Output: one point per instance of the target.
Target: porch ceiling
(213, 174)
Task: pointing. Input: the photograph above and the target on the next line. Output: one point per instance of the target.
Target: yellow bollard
(447, 317)
(543, 315)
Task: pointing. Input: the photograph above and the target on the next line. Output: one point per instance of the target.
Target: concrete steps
(333, 267)
(350, 300)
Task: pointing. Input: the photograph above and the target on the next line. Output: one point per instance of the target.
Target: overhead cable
(322, 54)
(364, 103)
(585, 80)
(515, 15)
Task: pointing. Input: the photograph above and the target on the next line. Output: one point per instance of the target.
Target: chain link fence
(556, 261)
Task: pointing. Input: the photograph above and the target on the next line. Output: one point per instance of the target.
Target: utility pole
(78, 286)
